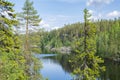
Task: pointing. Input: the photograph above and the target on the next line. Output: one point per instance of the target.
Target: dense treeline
(108, 36)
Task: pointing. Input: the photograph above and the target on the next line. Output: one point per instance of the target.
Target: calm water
(52, 69)
(56, 68)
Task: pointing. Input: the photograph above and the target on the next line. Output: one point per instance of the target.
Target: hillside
(107, 35)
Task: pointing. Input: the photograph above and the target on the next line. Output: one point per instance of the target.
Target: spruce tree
(85, 63)
(11, 59)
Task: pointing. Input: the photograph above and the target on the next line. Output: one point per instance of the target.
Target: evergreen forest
(81, 47)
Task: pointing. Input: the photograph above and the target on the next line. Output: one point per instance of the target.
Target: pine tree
(30, 19)
(85, 63)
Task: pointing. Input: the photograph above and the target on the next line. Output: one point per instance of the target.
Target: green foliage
(11, 59)
(30, 14)
(65, 36)
(85, 63)
(34, 39)
(107, 38)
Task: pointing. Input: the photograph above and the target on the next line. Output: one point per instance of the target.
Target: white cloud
(96, 17)
(114, 14)
(5, 13)
(91, 11)
(110, 15)
(55, 28)
(45, 25)
(50, 22)
(98, 2)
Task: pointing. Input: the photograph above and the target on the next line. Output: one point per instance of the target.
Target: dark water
(55, 67)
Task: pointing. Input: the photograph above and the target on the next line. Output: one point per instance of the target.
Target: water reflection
(56, 67)
(53, 70)
(112, 71)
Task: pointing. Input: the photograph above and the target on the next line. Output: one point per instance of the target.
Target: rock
(63, 50)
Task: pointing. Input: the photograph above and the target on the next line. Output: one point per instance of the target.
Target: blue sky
(56, 13)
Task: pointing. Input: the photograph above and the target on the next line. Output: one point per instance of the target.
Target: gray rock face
(63, 50)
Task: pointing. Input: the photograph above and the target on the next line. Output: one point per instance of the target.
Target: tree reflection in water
(111, 73)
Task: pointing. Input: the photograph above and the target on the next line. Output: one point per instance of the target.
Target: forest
(81, 47)
(107, 38)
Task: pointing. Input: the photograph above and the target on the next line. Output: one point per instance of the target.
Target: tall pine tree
(85, 63)
(30, 19)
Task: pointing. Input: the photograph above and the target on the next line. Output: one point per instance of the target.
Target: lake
(55, 67)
